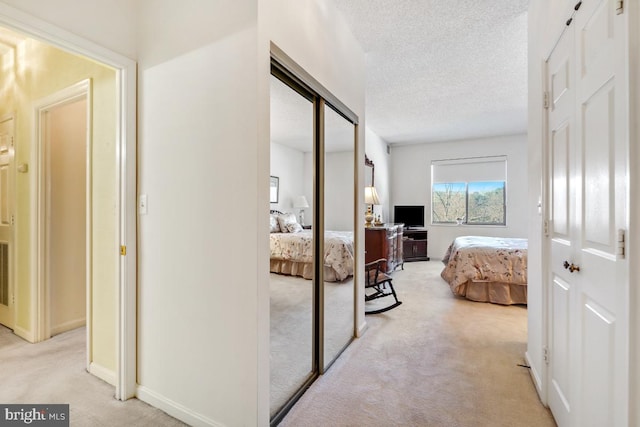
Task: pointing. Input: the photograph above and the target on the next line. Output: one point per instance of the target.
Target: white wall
(411, 184)
(338, 191)
(295, 171)
(110, 23)
(376, 149)
(197, 283)
(288, 165)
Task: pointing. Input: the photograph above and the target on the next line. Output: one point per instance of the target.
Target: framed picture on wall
(274, 184)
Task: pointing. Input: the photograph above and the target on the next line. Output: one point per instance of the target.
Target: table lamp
(370, 198)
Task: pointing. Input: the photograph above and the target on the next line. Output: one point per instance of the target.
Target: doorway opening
(102, 255)
(64, 203)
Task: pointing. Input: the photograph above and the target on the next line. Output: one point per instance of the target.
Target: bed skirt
(302, 269)
(495, 292)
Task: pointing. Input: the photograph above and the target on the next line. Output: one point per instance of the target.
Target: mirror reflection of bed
(292, 241)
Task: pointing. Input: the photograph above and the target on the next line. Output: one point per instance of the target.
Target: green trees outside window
(478, 203)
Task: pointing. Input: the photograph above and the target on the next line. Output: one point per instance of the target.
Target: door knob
(571, 267)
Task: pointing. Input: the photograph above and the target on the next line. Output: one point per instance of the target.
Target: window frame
(468, 182)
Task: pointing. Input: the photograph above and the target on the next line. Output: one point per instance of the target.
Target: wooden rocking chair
(378, 284)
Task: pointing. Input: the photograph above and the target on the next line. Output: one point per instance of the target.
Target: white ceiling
(441, 70)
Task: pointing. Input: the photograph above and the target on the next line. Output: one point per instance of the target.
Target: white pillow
(294, 227)
(285, 220)
(274, 225)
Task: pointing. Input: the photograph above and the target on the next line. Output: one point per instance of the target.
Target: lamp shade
(300, 202)
(371, 196)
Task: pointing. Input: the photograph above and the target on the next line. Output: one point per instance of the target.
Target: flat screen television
(410, 216)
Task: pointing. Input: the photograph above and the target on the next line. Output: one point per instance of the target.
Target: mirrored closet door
(292, 285)
(312, 235)
(339, 219)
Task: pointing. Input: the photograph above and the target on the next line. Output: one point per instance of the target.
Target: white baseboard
(535, 377)
(362, 329)
(103, 373)
(67, 326)
(174, 409)
(24, 334)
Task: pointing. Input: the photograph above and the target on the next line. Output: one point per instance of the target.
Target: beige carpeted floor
(436, 360)
(54, 372)
(291, 331)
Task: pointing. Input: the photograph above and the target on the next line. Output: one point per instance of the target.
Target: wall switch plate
(142, 204)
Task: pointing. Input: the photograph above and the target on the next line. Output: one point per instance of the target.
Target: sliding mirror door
(339, 219)
(312, 246)
(292, 289)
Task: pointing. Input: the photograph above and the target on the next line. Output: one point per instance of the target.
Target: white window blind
(474, 169)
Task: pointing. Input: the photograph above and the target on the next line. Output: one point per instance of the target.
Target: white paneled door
(7, 201)
(562, 191)
(588, 218)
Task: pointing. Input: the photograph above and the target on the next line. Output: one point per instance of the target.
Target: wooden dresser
(384, 242)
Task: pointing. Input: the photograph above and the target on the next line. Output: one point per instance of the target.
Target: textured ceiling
(442, 70)
(437, 70)
(292, 122)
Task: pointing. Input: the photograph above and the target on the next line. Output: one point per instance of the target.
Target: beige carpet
(53, 372)
(291, 331)
(436, 360)
(433, 361)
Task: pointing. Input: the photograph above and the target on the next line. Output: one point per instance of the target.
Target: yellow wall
(37, 71)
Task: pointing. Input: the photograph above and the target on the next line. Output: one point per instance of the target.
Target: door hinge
(546, 228)
(545, 354)
(545, 99)
(620, 252)
(13, 220)
(123, 250)
(619, 7)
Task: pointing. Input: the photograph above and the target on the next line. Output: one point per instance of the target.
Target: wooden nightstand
(415, 244)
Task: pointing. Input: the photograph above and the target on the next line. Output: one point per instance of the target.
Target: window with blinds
(469, 191)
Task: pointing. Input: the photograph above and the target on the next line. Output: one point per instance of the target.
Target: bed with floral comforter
(292, 254)
(487, 269)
